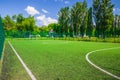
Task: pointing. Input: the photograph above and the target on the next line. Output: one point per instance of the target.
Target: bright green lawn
(108, 60)
(63, 60)
(11, 67)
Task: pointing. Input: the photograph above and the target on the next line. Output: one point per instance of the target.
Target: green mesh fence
(27, 34)
(1, 37)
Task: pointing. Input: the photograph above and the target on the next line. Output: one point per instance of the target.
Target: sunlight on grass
(58, 60)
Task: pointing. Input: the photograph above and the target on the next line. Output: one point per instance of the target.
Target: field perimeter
(65, 60)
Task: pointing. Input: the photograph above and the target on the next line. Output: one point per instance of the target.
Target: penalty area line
(99, 68)
(23, 64)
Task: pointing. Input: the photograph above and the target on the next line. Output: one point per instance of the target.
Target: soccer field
(65, 60)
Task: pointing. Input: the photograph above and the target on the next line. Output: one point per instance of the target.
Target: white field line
(99, 68)
(22, 62)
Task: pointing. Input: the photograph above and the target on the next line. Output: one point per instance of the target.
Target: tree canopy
(77, 21)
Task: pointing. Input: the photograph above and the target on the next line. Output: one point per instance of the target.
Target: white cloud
(59, 0)
(63, 1)
(45, 11)
(116, 10)
(43, 20)
(31, 10)
(67, 2)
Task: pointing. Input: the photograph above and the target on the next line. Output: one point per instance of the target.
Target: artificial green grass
(108, 60)
(0, 68)
(11, 67)
(60, 60)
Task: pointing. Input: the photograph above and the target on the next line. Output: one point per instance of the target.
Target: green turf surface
(61, 60)
(108, 60)
(11, 67)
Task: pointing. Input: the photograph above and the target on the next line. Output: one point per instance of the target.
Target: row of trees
(79, 20)
(97, 20)
(19, 26)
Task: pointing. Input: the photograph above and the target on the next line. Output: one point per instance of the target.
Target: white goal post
(34, 36)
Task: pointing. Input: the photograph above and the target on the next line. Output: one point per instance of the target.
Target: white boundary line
(99, 68)
(22, 62)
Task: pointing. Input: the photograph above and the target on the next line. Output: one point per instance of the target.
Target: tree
(19, 26)
(76, 17)
(108, 18)
(84, 19)
(30, 23)
(89, 23)
(19, 20)
(97, 16)
(14, 17)
(103, 16)
(64, 20)
(117, 25)
(54, 26)
(8, 23)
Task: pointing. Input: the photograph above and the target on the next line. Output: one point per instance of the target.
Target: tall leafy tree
(97, 16)
(84, 19)
(89, 23)
(117, 25)
(76, 17)
(64, 20)
(107, 16)
(19, 20)
(103, 16)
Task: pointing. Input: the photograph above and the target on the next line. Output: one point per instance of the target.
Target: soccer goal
(34, 36)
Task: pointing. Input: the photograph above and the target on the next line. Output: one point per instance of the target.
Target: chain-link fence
(28, 34)
(1, 37)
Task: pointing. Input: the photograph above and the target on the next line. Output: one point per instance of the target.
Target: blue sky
(45, 11)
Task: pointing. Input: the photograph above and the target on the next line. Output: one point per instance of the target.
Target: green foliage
(76, 17)
(8, 23)
(117, 26)
(83, 26)
(55, 27)
(76, 21)
(64, 20)
(19, 26)
(103, 16)
(89, 30)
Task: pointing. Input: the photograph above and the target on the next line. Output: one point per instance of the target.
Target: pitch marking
(99, 68)
(22, 62)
